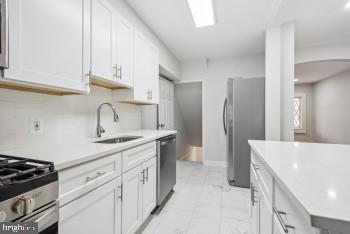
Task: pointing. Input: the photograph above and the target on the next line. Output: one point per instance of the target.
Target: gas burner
(15, 169)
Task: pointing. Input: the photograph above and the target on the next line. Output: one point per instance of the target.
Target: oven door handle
(46, 218)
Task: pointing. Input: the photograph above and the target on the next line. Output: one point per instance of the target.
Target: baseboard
(215, 163)
(186, 155)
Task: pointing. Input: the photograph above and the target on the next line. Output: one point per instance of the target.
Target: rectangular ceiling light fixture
(202, 12)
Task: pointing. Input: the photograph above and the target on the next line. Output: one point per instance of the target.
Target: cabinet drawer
(135, 156)
(264, 177)
(290, 213)
(78, 180)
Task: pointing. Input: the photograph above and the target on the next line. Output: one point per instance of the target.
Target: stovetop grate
(14, 169)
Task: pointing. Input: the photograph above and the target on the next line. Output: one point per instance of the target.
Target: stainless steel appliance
(4, 32)
(243, 119)
(166, 167)
(29, 193)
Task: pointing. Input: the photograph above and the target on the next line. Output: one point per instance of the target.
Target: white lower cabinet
(139, 195)
(98, 211)
(149, 196)
(265, 215)
(102, 196)
(277, 228)
(273, 210)
(132, 200)
(255, 203)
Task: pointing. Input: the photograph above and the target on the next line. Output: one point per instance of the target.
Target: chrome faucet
(99, 128)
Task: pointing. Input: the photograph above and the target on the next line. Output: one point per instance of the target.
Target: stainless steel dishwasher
(166, 167)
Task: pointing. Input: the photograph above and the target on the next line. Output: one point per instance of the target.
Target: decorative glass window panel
(297, 113)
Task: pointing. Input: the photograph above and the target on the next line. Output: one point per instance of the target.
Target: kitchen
(88, 125)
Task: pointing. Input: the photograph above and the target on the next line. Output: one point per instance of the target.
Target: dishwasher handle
(170, 141)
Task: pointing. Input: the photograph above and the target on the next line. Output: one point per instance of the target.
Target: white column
(287, 81)
(279, 69)
(272, 83)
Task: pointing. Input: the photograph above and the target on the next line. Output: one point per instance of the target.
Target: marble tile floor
(202, 203)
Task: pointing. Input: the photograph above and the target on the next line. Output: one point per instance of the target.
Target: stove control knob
(3, 216)
(25, 205)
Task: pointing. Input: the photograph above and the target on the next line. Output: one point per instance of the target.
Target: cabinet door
(141, 81)
(102, 40)
(255, 204)
(50, 43)
(162, 108)
(153, 72)
(266, 215)
(149, 196)
(124, 51)
(170, 106)
(132, 200)
(96, 212)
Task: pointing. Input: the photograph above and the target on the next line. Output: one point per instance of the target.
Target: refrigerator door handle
(224, 116)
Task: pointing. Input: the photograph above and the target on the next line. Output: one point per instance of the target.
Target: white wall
(214, 74)
(166, 58)
(307, 90)
(66, 118)
(331, 109)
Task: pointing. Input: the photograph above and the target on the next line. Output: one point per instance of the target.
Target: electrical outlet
(36, 126)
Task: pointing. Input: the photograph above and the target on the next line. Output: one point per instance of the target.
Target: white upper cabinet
(145, 73)
(49, 44)
(124, 51)
(111, 47)
(102, 40)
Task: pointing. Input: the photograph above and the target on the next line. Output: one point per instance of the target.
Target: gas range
(29, 192)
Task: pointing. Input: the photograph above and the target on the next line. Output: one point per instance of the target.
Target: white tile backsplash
(65, 117)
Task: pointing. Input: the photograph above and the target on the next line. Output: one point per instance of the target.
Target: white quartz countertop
(65, 155)
(316, 175)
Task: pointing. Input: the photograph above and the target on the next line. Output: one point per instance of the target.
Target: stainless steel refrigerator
(243, 119)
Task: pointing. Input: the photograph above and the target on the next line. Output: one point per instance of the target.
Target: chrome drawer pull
(285, 227)
(88, 179)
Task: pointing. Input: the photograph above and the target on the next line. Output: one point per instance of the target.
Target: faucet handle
(102, 130)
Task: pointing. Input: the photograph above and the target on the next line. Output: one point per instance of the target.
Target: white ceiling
(239, 30)
(318, 22)
(241, 24)
(316, 71)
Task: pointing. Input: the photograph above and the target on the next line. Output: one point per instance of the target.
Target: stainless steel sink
(118, 139)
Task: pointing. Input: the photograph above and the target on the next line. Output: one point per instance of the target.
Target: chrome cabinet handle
(147, 174)
(143, 176)
(285, 227)
(256, 166)
(115, 74)
(88, 179)
(252, 194)
(120, 73)
(120, 196)
(87, 78)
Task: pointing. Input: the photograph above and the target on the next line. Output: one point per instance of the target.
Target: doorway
(321, 99)
(188, 120)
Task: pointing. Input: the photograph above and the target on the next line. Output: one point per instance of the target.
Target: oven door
(46, 217)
